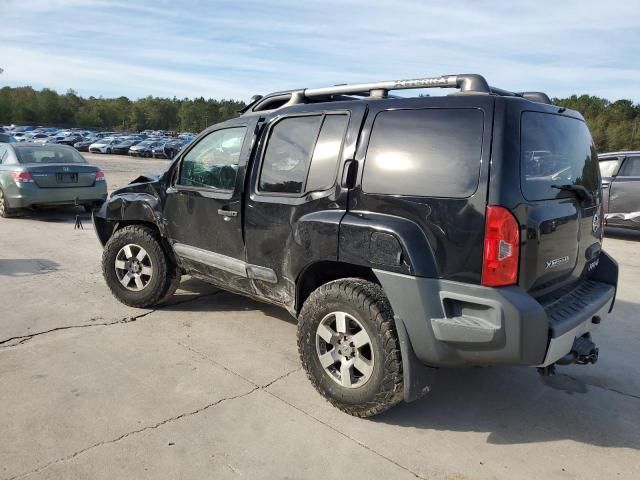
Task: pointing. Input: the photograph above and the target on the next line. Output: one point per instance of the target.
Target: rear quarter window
(427, 152)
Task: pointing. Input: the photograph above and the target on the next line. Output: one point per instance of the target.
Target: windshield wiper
(581, 192)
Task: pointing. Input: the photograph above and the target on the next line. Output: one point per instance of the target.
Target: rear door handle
(227, 213)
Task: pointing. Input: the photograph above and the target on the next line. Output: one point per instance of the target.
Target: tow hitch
(583, 352)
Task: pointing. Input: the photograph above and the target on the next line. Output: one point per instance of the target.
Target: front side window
(213, 161)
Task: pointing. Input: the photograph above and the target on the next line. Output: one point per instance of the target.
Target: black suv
(404, 234)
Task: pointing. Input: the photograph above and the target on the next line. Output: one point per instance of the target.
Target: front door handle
(227, 213)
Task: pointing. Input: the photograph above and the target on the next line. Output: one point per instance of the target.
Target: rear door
(624, 196)
(296, 200)
(560, 183)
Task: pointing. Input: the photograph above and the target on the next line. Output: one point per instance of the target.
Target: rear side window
(555, 151)
(428, 153)
(302, 154)
(631, 167)
(326, 153)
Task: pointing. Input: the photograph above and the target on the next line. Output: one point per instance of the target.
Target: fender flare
(127, 207)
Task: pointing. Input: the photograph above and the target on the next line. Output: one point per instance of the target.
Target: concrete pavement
(211, 387)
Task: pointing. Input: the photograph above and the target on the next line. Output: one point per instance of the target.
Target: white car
(104, 145)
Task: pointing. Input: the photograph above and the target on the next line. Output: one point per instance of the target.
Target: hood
(147, 178)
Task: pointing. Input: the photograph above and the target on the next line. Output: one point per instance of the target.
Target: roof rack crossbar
(466, 83)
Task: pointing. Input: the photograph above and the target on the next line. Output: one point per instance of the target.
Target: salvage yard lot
(210, 386)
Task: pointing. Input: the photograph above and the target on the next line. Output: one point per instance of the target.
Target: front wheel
(349, 347)
(137, 269)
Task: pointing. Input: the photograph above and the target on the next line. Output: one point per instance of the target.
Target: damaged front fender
(135, 203)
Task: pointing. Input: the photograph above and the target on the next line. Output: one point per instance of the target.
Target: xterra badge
(557, 261)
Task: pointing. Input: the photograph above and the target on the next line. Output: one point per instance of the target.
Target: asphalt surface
(211, 386)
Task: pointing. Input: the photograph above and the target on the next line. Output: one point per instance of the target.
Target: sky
(235, 49)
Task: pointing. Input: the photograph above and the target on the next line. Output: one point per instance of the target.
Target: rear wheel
(5, 210)
(349, 347)
(136, 268)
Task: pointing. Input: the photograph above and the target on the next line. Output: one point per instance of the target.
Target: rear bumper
(458, 324)
(30, 195)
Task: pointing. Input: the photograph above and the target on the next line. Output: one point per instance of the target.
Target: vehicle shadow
(212, 299)
(23, 267)
(512, 405)
(66, 214)
(597, 405)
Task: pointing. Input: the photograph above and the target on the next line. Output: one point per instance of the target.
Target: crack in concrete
(21, 339)
(355, 440)
(602, 387)
(133, 432)
(265, 386)
(255, 388)
(207, 358)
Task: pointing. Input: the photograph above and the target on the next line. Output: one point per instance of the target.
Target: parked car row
(148, 143)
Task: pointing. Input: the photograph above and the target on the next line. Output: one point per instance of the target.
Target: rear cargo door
(560, 181)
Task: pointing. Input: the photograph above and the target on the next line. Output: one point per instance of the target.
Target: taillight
(22, 177)
(501, 247)
(99, 176)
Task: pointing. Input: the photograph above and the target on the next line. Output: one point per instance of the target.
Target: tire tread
(368, 297)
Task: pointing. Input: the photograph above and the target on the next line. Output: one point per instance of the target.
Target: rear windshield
(555, 151)
(48, 155)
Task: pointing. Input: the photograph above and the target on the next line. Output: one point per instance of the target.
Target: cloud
(234, 50)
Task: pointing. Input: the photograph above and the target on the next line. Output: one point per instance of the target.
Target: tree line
(26, 106)
(614, 125)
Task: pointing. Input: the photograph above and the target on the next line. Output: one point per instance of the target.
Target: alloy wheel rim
(2, 204)
(344, 349)
(133, 267)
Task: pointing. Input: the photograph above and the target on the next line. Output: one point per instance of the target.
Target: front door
(203, 208)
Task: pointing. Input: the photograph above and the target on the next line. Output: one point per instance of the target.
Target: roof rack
(469, 83)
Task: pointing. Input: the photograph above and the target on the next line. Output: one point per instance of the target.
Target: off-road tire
(366, 302)
(163, 282)
(5, 210)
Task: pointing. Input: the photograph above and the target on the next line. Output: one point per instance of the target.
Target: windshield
(556, 150)
(147, 143)
(48, 155)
